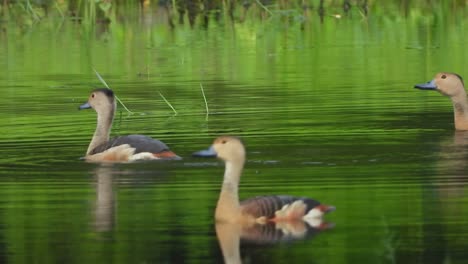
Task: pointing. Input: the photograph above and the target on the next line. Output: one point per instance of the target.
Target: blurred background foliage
(27, 13)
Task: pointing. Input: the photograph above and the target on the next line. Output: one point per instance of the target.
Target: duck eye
(443, 76)
(92, 95)
(223, 142)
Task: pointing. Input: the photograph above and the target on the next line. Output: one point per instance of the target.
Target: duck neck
(460, 110)
(228, 203)
(103, 128)
(229, 240)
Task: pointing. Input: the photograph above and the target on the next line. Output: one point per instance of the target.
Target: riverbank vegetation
(200, 13)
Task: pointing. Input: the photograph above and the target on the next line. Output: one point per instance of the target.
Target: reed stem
(167, 102)
(107, 86)
(206, 103)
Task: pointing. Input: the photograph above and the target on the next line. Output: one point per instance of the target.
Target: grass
(89, 13)
(206, 103)
(264, 7)
(107, 86)
(160, 94)
(168, 103)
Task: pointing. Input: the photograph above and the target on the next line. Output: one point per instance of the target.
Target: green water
(327, 111)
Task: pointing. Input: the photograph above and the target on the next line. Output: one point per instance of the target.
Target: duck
(122, 148)
(451, 85)
(260, 209)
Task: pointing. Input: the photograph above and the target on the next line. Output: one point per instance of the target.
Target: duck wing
(140, 143)
(267, 206)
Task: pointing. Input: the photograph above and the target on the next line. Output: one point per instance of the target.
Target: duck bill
(427, 86)
(207, 153)
(84, 106)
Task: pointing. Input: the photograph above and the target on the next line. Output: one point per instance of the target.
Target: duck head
(449, 84)
(101, 100)
(225, 148)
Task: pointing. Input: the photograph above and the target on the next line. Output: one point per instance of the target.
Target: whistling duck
(260, 209)
(123, 148)
(451, 85)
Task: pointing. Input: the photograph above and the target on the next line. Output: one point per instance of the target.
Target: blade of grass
(167, 102)
(204, 98)
(59, 10)
(264, 7)
(107, 86)
(32, 11)
(100, 78)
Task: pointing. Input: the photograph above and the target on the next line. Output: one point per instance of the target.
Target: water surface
(327, 112)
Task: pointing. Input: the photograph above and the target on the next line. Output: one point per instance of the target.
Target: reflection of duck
(443, 196)
(261, 209)
(123, 148)
(105, 207)
(230, 235)
(451, 85)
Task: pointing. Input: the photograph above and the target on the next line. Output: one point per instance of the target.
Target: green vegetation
(89, 13)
